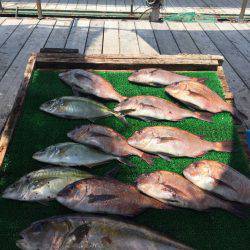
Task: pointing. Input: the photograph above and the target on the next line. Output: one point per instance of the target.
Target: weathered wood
(95, 37)
(17, 108)
(78, 35)
(59, 35)
(12, 79)
(111, 37)
(128, 39)
(244, 29)
(182, 38)
(146, 38)
(236, 38)
(165, 39)
(12, 47)
(229, 51)
(178, 62)
(206, 46)
(243, 9)
(7, 27)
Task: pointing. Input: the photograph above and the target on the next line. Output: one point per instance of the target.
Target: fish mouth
(38, 155)
(141, 179)
(77, 132)
(23, 244)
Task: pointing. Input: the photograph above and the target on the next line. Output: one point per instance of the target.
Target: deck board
(231, 7)
(20, 37)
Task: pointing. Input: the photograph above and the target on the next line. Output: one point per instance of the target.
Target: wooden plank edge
(17, 108)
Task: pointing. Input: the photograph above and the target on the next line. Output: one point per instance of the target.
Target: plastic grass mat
(36, 130)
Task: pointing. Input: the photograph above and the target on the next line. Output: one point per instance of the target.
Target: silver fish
(74, 154)
(92, 232)
(220, 179)
(43, 184)
(74, 107)
(158, 77)
(90, 83)
(155, 108)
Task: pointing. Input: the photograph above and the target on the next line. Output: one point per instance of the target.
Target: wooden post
(132, 7)
(1, 7)
(39, 9)
(243, 9)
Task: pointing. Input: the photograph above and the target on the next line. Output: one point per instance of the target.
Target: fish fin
(120, 117)
(164, 156)
(146, 119)
(156, 84)
(200, 80)
(219, 182)
(126, 111)
(223, 146)
(204, 116)
(44, 203)
(76, 91)
(237, 209)
(148, 158)
(126, 161)
(112, 172)
(167, 139)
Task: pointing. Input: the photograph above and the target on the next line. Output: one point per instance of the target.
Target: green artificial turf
(36, 130)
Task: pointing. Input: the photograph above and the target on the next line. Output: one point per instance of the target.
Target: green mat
(36, 130)
(190, 17)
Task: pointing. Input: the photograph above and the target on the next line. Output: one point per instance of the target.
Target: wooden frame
(68, 59)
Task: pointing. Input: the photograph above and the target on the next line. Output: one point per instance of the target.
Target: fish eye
(38, 228)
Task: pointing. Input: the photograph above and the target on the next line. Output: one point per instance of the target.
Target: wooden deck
(19, 37)
(220, 7)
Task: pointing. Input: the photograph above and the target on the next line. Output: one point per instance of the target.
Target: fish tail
(237, 209)
(148, 158)
(121, 117)
(223, 146)
(204, 116)
(126, 161)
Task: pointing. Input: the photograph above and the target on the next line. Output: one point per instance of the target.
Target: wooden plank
(51, 5)
(128, 62)
(146, 38)
(165, 40)
(11, 81)
(72, 4)
(111, 5)
(62, 4)
(82, 5)
(91, 5)
(244, 29)
(236, 38)
(95, 37)
(182, 38)
(7, 28)
(13, 45)
(229, 51)
(206, 46)
(111, 37)
(101, 5)
(16, 111)
(78, 35)
(128, 39)
(59, 35)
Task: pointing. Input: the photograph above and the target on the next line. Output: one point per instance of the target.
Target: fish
(75, 107)
(74, 154)
(170, 141)
(90, 83)
(107, 140)
(154, 108)
(199, 96)
(43, 184)
(106, 195)
(174, 190)
(92, 232)
(159, 77)
(219, 179)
